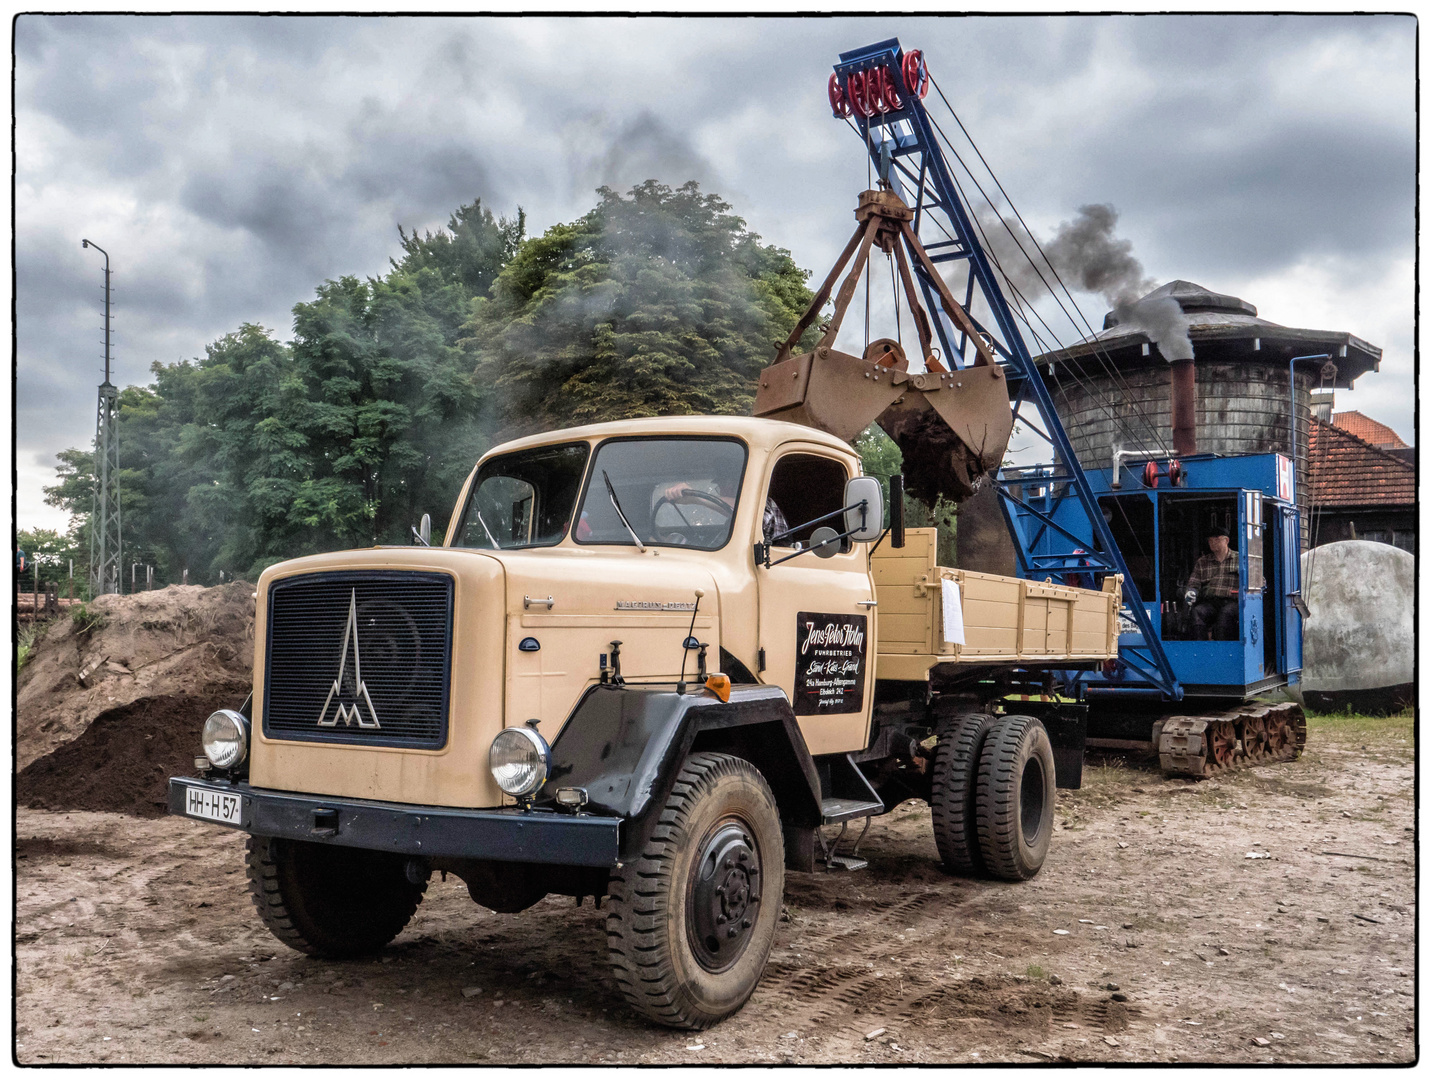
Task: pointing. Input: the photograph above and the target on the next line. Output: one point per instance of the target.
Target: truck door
(817, 616)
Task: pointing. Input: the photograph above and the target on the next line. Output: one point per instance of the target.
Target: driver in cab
(1212, 590)
(773, 522)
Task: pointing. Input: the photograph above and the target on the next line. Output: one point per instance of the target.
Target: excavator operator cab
(1193, 607)
(1245, 634)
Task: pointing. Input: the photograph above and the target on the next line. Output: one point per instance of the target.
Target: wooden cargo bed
(1005, 620)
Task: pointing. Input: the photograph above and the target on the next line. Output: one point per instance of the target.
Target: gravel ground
(1266, 916)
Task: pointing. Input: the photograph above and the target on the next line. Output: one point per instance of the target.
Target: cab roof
(757, 433)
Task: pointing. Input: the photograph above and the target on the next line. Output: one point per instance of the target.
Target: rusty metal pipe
(1184, 408)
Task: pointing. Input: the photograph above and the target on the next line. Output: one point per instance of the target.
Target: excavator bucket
(951, 426)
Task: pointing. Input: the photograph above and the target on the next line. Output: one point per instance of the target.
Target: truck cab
(699, 493)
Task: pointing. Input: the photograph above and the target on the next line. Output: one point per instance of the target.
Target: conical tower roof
(1224, 329)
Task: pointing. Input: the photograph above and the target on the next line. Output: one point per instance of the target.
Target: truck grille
(359, 657)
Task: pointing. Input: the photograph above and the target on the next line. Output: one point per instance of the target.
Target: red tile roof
(1348, 471)
(1368, 430)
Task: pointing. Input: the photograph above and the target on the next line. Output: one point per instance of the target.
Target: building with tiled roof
(1359, 491)
(1374, 432)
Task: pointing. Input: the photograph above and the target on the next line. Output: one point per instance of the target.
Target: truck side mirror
(896, 510)
(864, 522)
(423, 533)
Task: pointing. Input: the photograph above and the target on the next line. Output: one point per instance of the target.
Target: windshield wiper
(619, 512)
(487, 531)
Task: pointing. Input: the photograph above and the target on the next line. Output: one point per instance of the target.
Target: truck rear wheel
(1015, 797)
(333, 902)
(953, 783)
(692, 920)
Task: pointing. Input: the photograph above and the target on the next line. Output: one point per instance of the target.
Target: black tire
(953, 783)
(1015, 798)
(326, 901)
(719, 823)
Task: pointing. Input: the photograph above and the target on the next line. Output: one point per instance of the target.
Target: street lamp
(106, 563)
(92, 244)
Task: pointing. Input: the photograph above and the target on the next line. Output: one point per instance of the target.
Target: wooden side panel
(1005, 618)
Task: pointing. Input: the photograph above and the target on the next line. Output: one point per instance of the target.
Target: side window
(803, 488)
(1130, 520)
(523, 499)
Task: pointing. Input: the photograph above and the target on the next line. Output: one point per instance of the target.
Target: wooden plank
(898, 571)
(904, 627)
(900, 600)
(901, 648)
(907, 668)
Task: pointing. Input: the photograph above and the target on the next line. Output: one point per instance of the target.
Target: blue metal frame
(904, 148)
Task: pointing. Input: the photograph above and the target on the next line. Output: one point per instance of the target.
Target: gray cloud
(230, 164)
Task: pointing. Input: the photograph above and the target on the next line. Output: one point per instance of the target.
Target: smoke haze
(1090, 257)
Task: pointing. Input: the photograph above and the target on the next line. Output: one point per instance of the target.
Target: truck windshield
(674, 492)
(524, 499)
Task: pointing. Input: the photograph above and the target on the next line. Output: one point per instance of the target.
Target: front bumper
(506, 834)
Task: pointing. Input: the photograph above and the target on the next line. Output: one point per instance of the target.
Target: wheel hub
(724, 899)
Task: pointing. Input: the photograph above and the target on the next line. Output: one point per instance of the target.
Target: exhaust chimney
(1184, 408)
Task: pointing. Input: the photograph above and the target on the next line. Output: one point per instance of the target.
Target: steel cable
(1092, 341)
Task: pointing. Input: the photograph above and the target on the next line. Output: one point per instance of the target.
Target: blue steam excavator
(1202, 638)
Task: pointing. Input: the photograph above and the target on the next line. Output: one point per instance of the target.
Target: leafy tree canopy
(656, 303)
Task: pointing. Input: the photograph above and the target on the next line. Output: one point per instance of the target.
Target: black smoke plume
(1090, 257)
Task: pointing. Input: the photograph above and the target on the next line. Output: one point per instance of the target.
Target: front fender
(624, 745)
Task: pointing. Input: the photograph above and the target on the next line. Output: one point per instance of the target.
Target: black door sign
(830, 653)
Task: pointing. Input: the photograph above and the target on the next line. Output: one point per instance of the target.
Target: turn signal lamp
(719, 685)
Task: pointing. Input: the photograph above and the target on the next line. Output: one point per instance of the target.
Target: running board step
(845, 794)
(834, 811)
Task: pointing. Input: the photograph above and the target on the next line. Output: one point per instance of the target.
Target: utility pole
(105, 559)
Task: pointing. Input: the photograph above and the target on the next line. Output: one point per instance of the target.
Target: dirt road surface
(1173, 921)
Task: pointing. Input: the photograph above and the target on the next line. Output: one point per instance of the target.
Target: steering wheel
(688, 495)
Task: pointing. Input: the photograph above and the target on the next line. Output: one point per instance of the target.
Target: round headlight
(225, 738)
(518, 760)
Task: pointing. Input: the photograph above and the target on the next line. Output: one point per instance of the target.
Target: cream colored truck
(640, 668)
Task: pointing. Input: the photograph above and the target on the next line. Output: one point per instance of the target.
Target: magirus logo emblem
(345, 683)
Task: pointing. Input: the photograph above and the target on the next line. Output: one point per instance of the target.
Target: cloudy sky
(231, 164)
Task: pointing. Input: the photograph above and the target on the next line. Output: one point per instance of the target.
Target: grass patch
(1033, 971)
(86, 620)
(1352, 725)
(25, 639)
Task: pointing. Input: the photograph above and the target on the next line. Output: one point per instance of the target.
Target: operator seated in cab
(1213, 588)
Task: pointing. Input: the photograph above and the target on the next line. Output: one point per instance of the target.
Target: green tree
(659, 303)
(52, 552)
(469, 254)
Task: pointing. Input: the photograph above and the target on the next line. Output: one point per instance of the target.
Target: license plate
(213, 806)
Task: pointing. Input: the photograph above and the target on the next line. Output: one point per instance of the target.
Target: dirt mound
(124, 759)
(183, 641)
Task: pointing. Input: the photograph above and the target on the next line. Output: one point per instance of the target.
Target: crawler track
(1202, 746)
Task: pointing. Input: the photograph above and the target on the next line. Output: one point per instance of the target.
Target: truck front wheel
(327, 901)
(1015, 797)
(692, 920)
